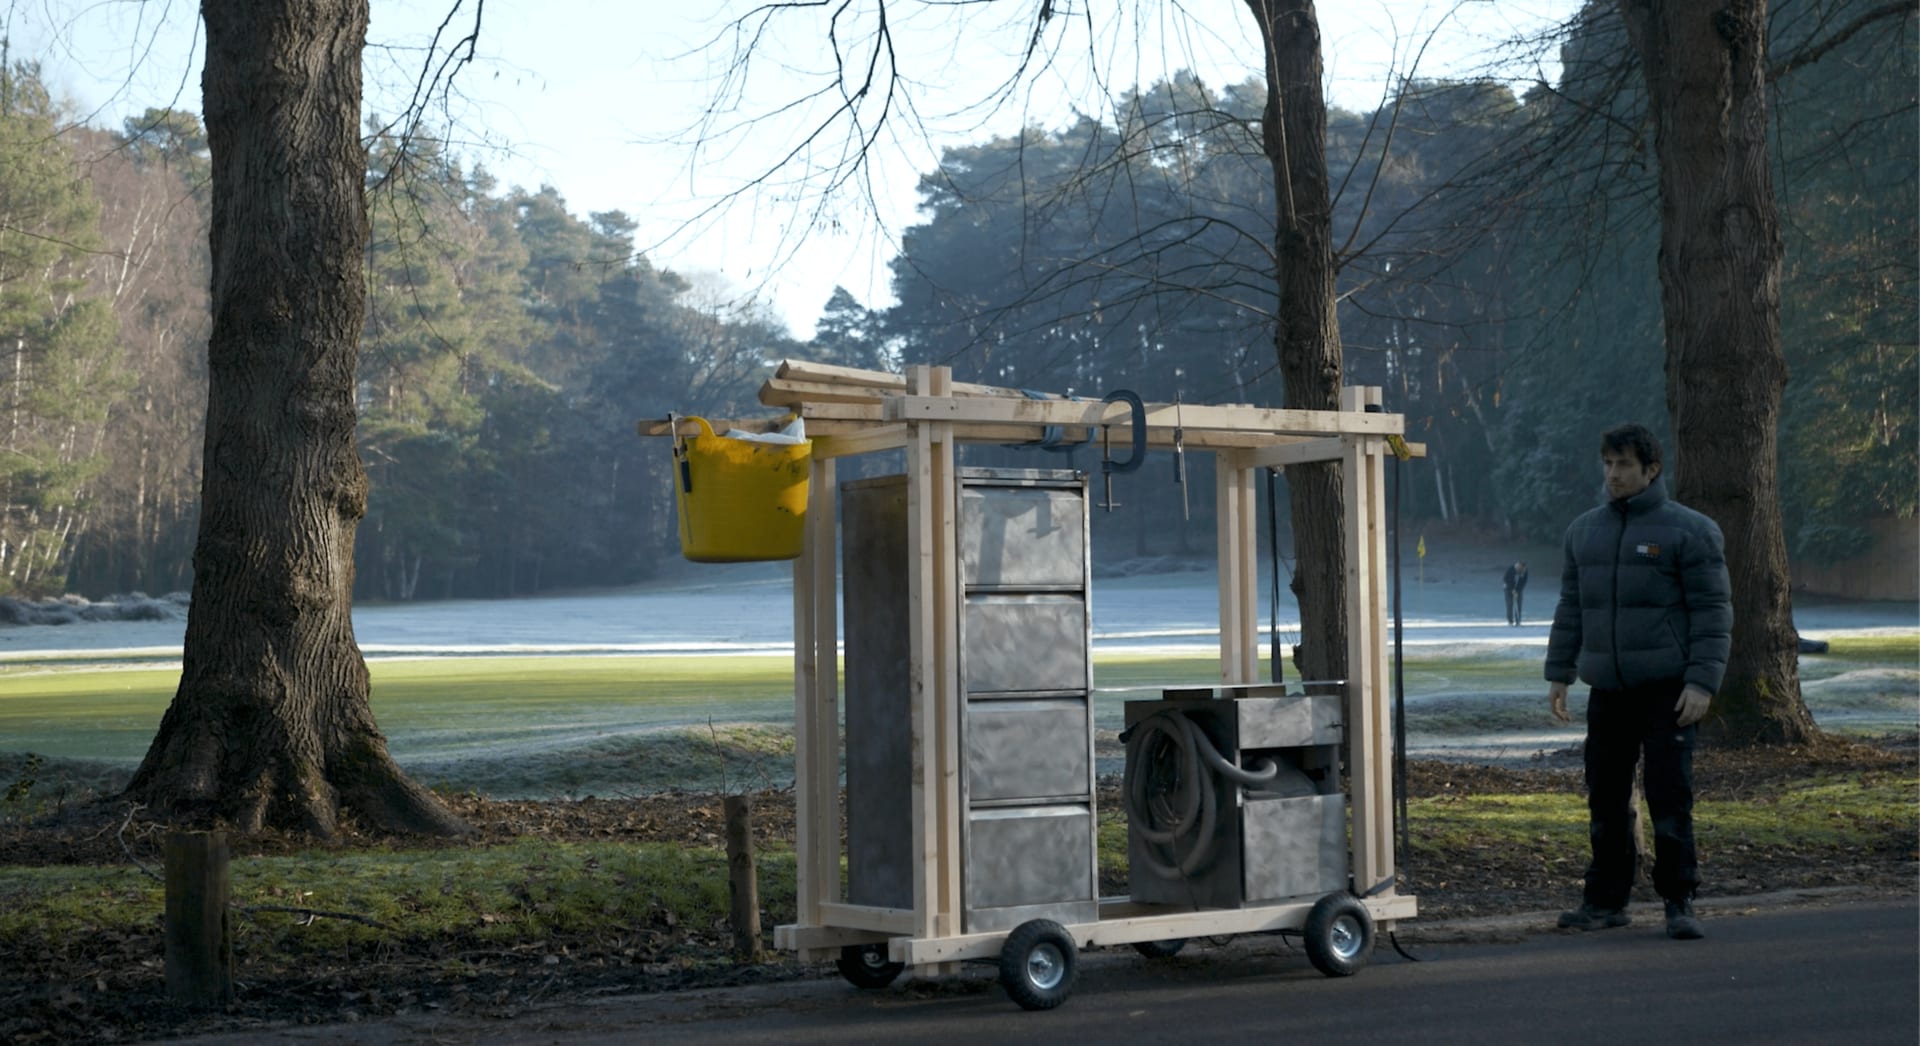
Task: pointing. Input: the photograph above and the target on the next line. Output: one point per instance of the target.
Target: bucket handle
(680, 446)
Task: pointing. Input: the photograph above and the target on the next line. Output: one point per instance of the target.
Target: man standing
(1645, 618)
(1515, 583)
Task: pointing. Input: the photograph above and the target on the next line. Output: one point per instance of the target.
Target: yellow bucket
(739, 500)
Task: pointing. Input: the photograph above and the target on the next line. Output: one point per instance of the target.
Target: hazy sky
(603, 100)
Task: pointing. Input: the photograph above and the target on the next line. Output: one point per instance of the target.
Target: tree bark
(1307, 339)
(1720, 269)
(271, 724)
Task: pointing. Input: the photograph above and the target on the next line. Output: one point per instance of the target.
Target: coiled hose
(1172, 771)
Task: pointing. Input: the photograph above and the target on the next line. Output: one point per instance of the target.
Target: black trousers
(1514, 598)
(1621, 726)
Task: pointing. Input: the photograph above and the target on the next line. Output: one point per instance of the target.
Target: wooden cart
(925, 412)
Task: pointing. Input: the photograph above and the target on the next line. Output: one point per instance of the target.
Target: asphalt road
(1844, 972)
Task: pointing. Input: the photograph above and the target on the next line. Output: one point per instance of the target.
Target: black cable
(1404, 954)
(1279, 671)
(1399, 671)
(1399, 684)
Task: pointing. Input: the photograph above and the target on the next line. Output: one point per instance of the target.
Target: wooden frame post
(1238, 530)
(1369, 732)
(932, 598)
(816, 699)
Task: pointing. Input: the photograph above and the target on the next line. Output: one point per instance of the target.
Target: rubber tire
(866, 966)
(1160, 949)
(1038, 964)
(1339, 935)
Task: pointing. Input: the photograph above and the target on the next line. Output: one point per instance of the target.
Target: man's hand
(1692, 706)
(1557, 698)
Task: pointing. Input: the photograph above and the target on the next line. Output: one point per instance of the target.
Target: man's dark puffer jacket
(1644, 597)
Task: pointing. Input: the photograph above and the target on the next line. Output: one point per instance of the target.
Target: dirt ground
(108, 988)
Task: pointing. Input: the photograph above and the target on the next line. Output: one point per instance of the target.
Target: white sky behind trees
(606, 101)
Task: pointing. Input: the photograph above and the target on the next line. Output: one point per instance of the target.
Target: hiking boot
(1588, 917)
(1682, 925)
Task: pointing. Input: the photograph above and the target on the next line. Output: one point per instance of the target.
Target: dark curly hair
(1632, 437)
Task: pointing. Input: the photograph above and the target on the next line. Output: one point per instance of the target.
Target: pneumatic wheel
(1038, 964)
(1160, 949)
(866, 965)
(1339, 935)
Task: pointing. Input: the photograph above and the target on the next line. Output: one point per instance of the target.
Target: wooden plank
(1236, 522)
(852, 379)
(883, 437)
(1368, 737)
(823, 512)
(815, 702)
(1380, 670)
(1301, 453)
(785, 392)
(815, 943)
(922, 636)
(1194, 418)
(869, 917)
(1324, 449)
(1290, 915)
(808, 370)
(948, 691)
(858, 421)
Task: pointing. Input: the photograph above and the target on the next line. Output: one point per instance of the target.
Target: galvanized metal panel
(1294, 847)
(1285, 843)
(1025, 642)
(1288, 722)
(1025, 537)
(873, 549)
(1029, 855)
(1020, 749)
(1066, 913)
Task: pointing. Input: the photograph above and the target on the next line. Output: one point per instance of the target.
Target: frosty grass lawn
(569, 725)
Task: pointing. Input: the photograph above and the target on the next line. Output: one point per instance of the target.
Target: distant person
(1515, 583)
(1645, 618)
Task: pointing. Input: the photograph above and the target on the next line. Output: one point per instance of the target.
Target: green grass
(570, 726)
(1901, 649)
(1826, 812)
(527, 890)
(541, 890)
(435, 708)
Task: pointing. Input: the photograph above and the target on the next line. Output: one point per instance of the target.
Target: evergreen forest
(1497, 279)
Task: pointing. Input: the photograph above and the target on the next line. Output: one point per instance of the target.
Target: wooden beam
(877, 438)
(816, 701)
(860, 421)
(1369, 736)
(1162, 924)
(1237, 522)
(1324, 449)
(1194, 418)
(932, 596)
(868, 917)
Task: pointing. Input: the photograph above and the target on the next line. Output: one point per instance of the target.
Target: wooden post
(743, 885)
(199, 948)
(816, 682)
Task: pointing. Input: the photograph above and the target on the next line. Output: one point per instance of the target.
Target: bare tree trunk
(1720, 266)
(271, 724)
(1294, 137)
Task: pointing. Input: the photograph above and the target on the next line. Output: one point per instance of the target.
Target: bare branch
(1897, 9)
